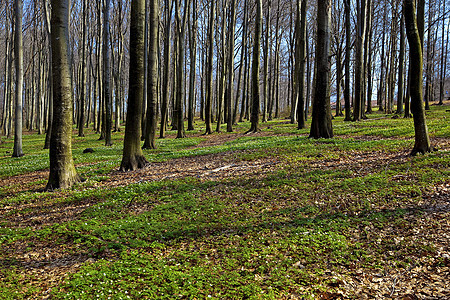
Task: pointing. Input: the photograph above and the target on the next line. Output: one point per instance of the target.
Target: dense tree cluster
(153, 63)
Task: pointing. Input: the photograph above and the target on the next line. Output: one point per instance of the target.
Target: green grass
(296, 230)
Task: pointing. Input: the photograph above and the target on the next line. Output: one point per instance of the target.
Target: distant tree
(133, 157)
(18, 63)
(62, 169)
(422, 140)
(321, 126)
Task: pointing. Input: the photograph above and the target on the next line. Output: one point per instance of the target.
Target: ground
(271, 215)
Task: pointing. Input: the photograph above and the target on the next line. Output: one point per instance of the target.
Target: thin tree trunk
(230, 94)
(18, 62)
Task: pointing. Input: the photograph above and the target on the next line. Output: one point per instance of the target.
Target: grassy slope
(328, 216)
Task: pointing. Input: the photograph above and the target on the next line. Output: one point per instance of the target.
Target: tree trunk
(230, 94)
(321, 126)
(401, 63)
(107, 75)
(152, 77)
(359, 60)
(301, 44)
(254, 119)
(81, 109)
(347, 60)
(133, 158)
(193, 66)
(18, 63)
(422, 140)
(180, 27)
(62, 170)
(209, 63)
(166, 73)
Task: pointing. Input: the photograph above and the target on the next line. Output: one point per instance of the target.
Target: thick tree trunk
(422, 140)
(62, 170)
(321, 126)
(133, 158)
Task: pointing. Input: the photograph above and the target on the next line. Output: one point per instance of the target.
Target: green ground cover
(344, 217)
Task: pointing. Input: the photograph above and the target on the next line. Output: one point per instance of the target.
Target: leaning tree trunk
(133, 157)
(62, 169)
(254, 119)
(152, 77)
(422, 140)
(18, 63)
(321, 126)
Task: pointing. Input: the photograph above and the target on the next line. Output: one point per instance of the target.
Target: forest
(230, 149)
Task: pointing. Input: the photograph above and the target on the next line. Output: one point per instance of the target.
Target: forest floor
(271, 215)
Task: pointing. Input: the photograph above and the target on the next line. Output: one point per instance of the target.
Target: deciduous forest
(230, 149)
